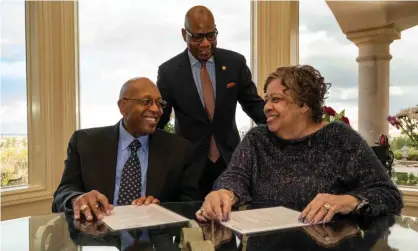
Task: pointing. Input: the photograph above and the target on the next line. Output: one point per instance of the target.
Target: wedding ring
(83, 207)
(327, 206)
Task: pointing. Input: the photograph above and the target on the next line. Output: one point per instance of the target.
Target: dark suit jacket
(177, 87)
(91, 165)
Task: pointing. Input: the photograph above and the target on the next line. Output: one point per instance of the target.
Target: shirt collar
(194, 61)
(125, 138)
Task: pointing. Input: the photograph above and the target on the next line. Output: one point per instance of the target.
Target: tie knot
(135, 145)
(203, 64)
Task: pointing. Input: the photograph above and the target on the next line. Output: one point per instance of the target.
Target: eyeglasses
(273, 99)
(149, 102)
(198, 37)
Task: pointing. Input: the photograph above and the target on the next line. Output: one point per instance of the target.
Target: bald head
(197, 15)
(140, 104)
(134, 86)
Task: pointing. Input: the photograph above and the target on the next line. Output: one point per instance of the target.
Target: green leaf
(342, 113)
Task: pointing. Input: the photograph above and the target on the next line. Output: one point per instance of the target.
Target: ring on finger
(83, 207)
(201, 211)
(327, 206)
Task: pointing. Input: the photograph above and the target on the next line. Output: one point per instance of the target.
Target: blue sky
(126, 39)
(12, 71)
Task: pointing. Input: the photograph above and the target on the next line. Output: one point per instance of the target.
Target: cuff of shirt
(68, 205)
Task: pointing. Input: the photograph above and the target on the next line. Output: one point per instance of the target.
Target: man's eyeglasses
(148, 102)
(198, 37)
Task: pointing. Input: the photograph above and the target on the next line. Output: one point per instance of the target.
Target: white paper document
(261, 220)
(126, 217)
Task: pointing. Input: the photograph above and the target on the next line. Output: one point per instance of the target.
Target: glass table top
(61, 232)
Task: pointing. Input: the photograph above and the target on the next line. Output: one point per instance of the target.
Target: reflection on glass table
(61, 232)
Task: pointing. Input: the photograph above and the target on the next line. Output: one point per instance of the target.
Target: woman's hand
(325, 206)
(328, 236)
(216, 233)
(217, 206)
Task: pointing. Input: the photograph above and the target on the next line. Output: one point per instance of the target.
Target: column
(373, 80)
(274, 37)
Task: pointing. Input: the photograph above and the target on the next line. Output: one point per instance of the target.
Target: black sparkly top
(334, 160)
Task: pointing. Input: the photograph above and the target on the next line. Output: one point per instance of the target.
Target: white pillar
(373, 80)
(274, 37)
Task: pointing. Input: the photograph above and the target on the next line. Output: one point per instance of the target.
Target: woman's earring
(305, 109)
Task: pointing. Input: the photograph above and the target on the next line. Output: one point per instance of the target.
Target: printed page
(126, 217)
(265, 219)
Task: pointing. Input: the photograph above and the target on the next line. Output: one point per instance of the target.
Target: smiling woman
(126, 39)
(13, 108)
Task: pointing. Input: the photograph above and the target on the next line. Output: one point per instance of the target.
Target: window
(323, 45)
(51, 93)
(403, 94)
(13, 108)
(126, 39)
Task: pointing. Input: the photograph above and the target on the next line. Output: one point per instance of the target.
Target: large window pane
(13, 108)
(120, 40)
(324, 46)
(403, 94)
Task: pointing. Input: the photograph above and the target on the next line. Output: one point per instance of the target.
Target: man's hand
(145, 201)
(91, 227)
(91, 204)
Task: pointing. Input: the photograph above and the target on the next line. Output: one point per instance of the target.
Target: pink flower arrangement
(407, 121)
(393, 121)
(331, 115)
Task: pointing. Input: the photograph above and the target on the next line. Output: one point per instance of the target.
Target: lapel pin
(223, 67)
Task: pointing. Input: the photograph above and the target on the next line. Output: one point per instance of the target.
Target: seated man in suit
(127, 163)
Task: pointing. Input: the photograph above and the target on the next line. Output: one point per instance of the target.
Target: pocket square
(232, 84)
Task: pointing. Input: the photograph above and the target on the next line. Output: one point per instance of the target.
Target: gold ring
(201, 211)
(83, 207)
(327, 206)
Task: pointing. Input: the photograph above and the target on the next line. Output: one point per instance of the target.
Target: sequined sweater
(334, 160)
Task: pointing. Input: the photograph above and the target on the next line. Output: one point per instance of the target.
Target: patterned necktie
(130, 185)
(209, 100)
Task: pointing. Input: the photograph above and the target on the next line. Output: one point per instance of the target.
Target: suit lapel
(190, 90)
(109, 159)
(157, 168)
(221, 79)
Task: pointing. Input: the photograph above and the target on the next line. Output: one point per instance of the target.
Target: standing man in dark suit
(203, 84)
(128, 163)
